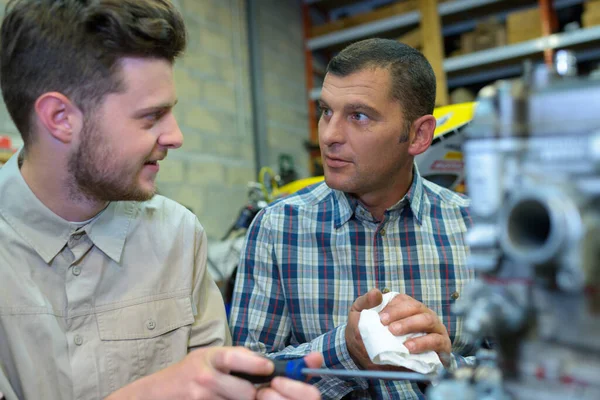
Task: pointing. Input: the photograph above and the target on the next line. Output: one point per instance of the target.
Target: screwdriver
(297, 369)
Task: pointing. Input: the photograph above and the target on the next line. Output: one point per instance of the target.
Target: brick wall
(209, 174)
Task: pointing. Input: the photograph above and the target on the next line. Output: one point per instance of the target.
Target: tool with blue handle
(297, 369)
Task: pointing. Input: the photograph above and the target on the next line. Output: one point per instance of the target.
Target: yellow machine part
(455, 116)
(299, 184)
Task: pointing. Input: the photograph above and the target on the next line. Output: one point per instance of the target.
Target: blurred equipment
(532, 157)
(443, 162)
(224, 256)
(287, 171)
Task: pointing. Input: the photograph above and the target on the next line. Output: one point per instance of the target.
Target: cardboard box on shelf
(591, 13)
(363, 18)
(487, 34)
(590, 19)
(523, 25)
(523, 35)
(592, 5)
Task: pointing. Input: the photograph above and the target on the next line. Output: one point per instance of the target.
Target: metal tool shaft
(386, 375)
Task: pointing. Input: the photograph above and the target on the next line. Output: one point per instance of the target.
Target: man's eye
(326, 112)
(360, 117)
(153, 116)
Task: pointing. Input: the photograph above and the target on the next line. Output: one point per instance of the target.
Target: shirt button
(455, 295)
(76, 271)
(150, 324)
(78, 339)
(382, 232)
(77, 236)
(385, 290)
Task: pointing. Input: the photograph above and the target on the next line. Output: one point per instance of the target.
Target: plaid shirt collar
(346, 206)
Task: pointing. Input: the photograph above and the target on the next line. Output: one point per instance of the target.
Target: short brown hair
(74, 47)
(413, 80)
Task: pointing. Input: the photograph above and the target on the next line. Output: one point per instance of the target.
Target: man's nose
(331, 132)
(171, 137)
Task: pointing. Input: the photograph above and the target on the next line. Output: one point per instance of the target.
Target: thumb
(314, 360)
(371, 299)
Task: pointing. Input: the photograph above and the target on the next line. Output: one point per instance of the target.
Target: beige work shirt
(84, 312)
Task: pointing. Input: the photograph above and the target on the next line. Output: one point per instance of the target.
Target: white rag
(385, 348)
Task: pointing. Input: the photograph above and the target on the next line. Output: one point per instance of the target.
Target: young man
(103, 286)
(310, 260)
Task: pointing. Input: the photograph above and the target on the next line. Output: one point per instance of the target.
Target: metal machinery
(532, 159)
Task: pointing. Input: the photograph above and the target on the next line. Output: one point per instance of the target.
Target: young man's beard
(95, 174)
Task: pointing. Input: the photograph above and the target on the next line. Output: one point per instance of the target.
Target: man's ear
(422, 136)
(59, 116)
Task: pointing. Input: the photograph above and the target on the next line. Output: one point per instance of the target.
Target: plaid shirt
(308, 256)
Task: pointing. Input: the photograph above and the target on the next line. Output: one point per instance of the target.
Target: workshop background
(248, 83)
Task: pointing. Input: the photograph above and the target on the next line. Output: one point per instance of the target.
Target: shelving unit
(392, 23)
(512, 53)
(456, 16)
(515, 51)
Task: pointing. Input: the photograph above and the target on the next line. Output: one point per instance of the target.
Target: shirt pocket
(140, 339)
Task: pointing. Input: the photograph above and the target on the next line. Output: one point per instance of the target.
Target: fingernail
(384, 318)
(410, 346)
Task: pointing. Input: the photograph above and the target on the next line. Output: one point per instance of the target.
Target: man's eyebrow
(358, 107)
(156, 108)
(322, 104)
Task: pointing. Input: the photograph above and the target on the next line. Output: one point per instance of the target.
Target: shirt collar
(46, 232)
(110, 230)
(346, 205)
